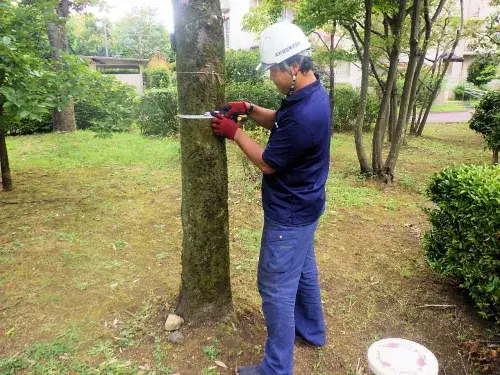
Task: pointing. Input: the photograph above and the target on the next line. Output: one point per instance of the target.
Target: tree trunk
(4, 157)
(63, 121)
(495, 155)
(199, 43)
(383, 117)
(393, 114)
(365, 64)
(400, 131)
(443, 73)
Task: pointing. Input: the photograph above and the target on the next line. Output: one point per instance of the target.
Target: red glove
(225, 127)
(234, 108)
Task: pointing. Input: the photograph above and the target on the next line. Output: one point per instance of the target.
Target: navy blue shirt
(299, 150)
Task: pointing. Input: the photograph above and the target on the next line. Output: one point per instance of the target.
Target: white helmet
(279, 42)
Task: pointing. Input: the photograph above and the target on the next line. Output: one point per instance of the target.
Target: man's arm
(252, 150)
(262, 116)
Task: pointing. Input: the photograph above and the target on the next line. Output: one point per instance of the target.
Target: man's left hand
(224, 127)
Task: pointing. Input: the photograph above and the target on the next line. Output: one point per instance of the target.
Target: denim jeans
(291, 301)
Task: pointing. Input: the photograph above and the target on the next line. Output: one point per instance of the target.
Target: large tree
(63, 119)
(139, 34)
(28, 85)
(199, 44)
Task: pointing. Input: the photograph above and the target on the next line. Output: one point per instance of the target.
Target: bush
(30, 126)
(486, 120)
(464, 240)
(240, 67)
(483, 69)
(157, 78)
(263, 93)
(157, 114)
(460, 91)
(346, 108)
(106, 104)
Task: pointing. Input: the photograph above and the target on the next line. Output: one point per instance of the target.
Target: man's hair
(305, 66)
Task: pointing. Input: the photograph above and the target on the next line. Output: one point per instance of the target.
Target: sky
(119, 8)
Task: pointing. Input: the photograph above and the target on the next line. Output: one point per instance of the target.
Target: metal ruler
(204, 116)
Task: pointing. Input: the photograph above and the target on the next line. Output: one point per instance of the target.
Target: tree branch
(321, 38)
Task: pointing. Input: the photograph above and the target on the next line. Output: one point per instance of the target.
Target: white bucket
(401, 357)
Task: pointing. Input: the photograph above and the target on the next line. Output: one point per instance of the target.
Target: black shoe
(248, 370)
(300, 340)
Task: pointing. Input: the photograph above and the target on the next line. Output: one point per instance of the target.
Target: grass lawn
(90, 247)
(453, 106)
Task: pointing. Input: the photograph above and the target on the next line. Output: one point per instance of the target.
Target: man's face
(282, 79)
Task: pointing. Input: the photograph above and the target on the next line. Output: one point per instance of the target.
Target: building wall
(131, 79)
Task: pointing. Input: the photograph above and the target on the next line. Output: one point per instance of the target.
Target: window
(226, 32)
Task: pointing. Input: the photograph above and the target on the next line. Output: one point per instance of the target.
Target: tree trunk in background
(63, 121)
(437, 87)
(400, 129)
(495, 155)
(4, 157)
(199, 43)
(384, 113)
(365, 64)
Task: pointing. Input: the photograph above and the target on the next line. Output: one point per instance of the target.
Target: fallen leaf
(220, 364)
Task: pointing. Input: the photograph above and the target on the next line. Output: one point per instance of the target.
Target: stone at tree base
(173, 322)
(176, 337)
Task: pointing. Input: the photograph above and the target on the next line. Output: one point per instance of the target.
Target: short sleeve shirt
(299, 150)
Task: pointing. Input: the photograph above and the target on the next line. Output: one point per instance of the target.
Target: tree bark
(393, 114)
(443, 73)
(495, 155)
(63, 121)
(205, 291)
(4, 157)
(383, 117)
(400, 131)
(365, 64)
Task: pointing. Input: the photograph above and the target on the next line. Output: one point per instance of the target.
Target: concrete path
(449, 117)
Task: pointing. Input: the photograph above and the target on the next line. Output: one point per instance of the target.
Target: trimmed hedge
(157, 114)
(464, 240)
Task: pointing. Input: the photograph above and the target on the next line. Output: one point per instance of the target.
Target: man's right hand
(234, 108)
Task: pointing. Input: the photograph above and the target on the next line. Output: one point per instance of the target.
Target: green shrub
(483, 69)
(157, 78)
(157, 114)
(106, 104)
(263, 93)
(464, 239)
(486, 120)
(31, 126)
(347, 106)
(240, 67)
(460, 91)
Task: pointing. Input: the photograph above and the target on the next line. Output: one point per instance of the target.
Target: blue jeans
(288, 284)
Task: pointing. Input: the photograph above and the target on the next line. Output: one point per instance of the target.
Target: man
(295, 167)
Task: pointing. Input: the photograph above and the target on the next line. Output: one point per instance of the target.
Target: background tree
(86, 35)
(483, 69)
(199, 39)
(484, 34)
(486, 120)
(447, 43)
(139, 34)
(28, 85)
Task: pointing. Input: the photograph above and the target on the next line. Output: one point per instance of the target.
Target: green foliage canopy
(486, 119)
